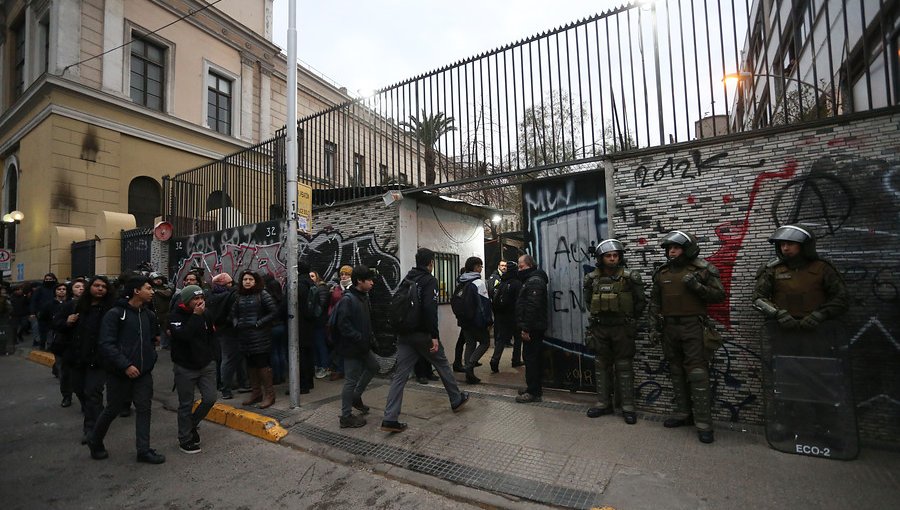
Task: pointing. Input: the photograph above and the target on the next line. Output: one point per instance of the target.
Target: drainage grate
(451, 471)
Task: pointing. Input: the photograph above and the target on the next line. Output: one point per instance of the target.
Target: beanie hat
(222, 279)
(188, 293)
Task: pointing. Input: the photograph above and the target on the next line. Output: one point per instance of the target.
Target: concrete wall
(840, 179)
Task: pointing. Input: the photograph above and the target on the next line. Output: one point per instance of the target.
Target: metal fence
(638, 76)
(242, 188)
(136, 247)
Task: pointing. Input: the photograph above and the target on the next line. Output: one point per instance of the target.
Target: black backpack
(500, 299)
(405, 310)
(458, 302)
(313, 306)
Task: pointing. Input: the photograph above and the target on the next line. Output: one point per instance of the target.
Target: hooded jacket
(531, 306)
(193, 346)
(510, 286)
(127, 338)
(479, 302)
(353, 324)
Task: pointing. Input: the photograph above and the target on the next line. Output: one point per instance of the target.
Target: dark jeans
(186, 380)
(533, 351)
(505, 331)
(358, 373)
(121, 392)
(458, 359)
(323, 356)
(64, 370)
(307, 363)
(422, 367)
(279, 352)
(476, 336)
(232, 361)
(88, 384)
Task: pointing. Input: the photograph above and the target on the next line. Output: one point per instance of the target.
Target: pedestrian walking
(352, 327)
(421, 340)
(614, 296)
(503, 302)
(532, 322)
(682, 289)
(127, 334)
(62, 341)
(472, 307)
(193, 356)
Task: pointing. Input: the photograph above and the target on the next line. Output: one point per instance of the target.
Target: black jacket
(531, 307)
(39, 298)
(353, 324)
(85, 347)
(252, 315)
(428, 297)
(193, 346)
(127, 338)
(510, 286)
(218, 307)
(64, 333)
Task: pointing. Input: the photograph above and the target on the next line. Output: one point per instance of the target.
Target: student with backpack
(351, 326)
(503, 302)
(472, 307)
(414, 317)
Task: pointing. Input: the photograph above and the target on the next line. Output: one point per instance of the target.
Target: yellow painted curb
(42, 357)
(252, 423)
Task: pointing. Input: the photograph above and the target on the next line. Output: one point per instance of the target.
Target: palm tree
(428, 131)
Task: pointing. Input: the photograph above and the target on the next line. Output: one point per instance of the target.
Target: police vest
(611, 295)
(677, 299)
(800, 291)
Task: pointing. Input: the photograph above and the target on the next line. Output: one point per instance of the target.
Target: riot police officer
(798, 289)
(615, 297)
(682, 289)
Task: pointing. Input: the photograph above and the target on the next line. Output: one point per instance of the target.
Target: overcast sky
(365, 45)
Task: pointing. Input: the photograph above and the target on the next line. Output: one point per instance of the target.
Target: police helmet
(608, 245)
(685, 240)
(154, 275)
(795, 234)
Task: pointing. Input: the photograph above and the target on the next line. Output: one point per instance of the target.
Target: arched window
(217, 200)
(144, 200)
(10, 200)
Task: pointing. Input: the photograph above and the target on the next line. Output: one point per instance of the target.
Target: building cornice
(41, 85)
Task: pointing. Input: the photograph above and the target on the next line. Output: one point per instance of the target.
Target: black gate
(84, 257)
(136, 247)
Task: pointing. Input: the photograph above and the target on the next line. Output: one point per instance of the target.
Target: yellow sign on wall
(304, 207)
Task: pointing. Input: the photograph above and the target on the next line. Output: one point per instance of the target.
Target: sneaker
(321, 373)
(517, 364)
(393, 426)
(189, 447)
(495, 367)
(98, 451)
(151, 457)
(66, 402)
(596, 412)
(705, 436)
(195, 435)
(523, 391)
(422, 380)
(528, 398)
(464, 397)
(227, 395)
(352, 422)
(630, 417)
(458, 368)
(359, 406)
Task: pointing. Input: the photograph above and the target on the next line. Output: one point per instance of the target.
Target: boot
(601, 377)
(470, 375)
(701, 402)
(256, 391)
(625, 389)
(682, 407)
(268, 388)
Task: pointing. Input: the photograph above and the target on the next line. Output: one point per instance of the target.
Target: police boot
(625, 389)
(602, 376)
(682, 409)
(701, 402)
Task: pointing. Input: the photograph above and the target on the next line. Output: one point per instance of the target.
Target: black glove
(812, 320)
(786, 320)
(691, 281)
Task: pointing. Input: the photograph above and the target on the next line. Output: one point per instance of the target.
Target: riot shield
(809, 402)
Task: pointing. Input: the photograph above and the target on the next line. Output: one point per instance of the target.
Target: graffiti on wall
(563, 217)
(852, 205)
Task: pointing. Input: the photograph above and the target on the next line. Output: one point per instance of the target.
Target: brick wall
(842, 180)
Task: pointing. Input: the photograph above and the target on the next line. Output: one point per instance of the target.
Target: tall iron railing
(638, 76)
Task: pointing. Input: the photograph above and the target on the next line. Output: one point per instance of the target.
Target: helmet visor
(790, 233)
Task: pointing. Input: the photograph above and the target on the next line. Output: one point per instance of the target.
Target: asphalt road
(42, 464)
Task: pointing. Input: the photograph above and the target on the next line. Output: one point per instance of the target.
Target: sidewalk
(550, 453)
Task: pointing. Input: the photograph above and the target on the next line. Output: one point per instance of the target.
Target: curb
(42, 357)
(249, 422)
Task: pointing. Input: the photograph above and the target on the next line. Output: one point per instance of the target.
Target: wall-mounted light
(13, 217)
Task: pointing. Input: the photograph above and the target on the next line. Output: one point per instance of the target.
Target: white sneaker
(320, 373)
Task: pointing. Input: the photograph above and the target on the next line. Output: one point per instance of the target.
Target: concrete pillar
(407, 232)
(65, 37)
(265, 103)
(109, 245)
(247, 78)
(113, 37)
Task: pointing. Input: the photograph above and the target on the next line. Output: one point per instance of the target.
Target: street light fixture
(10, 219)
